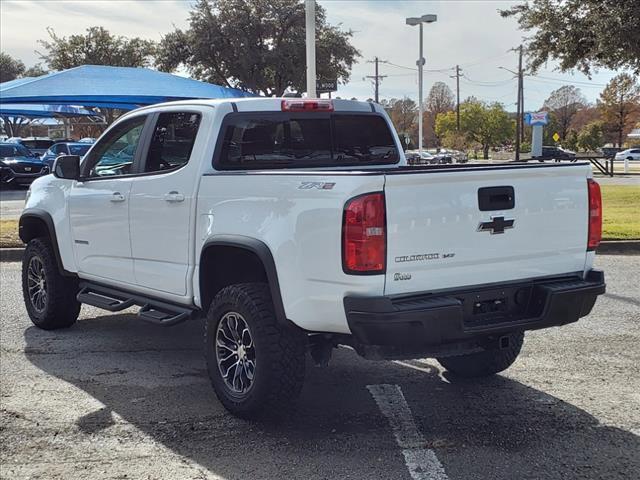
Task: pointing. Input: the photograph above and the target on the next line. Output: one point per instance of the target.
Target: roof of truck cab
(264, 104)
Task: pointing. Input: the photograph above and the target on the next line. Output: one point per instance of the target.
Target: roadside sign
(536, 118)
(556, 137)
(326, 86)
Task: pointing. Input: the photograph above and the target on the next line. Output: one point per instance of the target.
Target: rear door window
(274, 140)
(172, 141)
(38, 144)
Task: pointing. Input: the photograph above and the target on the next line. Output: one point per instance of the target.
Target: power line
(500, 83)
(583, 82)
(448, 69)
(484, 60)
(562, 82)
(430, 70)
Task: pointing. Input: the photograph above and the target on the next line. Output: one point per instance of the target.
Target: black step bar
(152, 310)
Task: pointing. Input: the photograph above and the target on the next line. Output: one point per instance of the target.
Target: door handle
(117, 197)
(174, 196)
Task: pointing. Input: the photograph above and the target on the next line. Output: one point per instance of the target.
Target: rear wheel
(488, 362)
(50, 297)
(255, 364)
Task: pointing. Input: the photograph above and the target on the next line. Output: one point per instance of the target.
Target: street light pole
(413, 21)
(310, 26)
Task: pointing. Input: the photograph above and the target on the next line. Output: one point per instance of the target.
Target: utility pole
(519, 113)
(310, 30)
(376, 79)
(457, 77)
(521, 99)
(458, 97)
(420, 105)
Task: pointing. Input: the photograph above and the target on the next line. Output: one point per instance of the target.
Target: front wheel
(255, 364)
(488, 362)
(50, 297)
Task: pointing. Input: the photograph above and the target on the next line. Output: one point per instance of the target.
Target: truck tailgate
(449, 229)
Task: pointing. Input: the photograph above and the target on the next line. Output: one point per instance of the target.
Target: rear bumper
(469, 318)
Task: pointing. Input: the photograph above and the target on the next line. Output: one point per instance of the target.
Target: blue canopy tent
(43, 111)
(109, 87)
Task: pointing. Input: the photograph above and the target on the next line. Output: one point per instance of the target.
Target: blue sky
(469, 33)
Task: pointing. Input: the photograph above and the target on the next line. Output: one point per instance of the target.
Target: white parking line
(422, 462)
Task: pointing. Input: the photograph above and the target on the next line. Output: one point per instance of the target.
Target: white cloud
(469, 33)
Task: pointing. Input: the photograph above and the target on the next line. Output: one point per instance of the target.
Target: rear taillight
(300, 105)
(595, 215)
(364, 235)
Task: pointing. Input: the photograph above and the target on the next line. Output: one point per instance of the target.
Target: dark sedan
(18, 166)
(36, 145)
(556, 153)
(65, 148)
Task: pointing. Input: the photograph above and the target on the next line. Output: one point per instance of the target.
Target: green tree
(487, 125)
(256, 45)
(550, 128)
(565, 102)
(404, 116)
(619, 105)
(591, 137)
(97, 47)
(10, 68)
(35, 71)
(582, 34)
(571, 141)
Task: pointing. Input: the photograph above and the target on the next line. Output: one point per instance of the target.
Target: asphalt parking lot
(116, 398)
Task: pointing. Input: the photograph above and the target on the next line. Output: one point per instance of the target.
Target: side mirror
(67, 167)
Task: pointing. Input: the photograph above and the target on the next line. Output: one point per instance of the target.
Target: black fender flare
(262, 251)
(45, 217)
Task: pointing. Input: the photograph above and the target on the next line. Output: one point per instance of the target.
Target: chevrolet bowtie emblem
(496, 225)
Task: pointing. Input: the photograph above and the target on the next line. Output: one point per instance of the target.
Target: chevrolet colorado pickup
(295, 226)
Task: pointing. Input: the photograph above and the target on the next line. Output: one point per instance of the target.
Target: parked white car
(295, 225)
(628, 154)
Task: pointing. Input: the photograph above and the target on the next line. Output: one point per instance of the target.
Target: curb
(11, 254)
(619, 247)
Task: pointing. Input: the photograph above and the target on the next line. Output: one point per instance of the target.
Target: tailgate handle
(496, 198)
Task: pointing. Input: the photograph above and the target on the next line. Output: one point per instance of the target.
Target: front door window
(115, 153)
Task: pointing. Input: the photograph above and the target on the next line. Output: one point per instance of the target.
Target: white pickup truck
(295, 225)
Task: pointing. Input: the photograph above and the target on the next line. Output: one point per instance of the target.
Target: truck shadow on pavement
(155, 380)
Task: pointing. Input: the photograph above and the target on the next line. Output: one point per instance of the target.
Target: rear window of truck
(279, 140)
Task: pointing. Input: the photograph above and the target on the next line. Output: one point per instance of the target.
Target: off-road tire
(280, 352)
(60, 307)
(488, 362)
